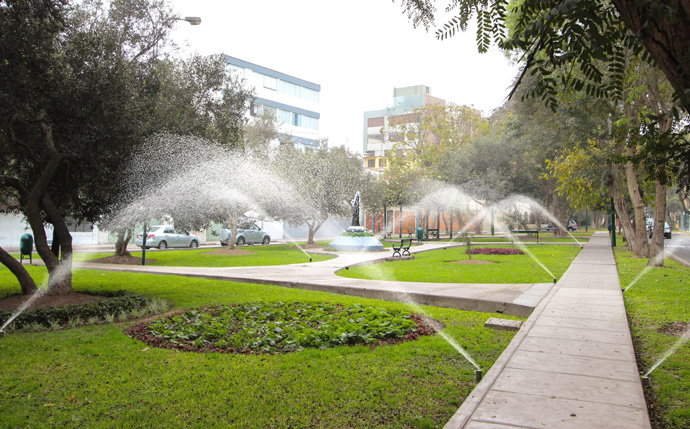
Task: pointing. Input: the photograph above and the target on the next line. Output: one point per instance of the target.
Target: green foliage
(659, 298)
(357, 234)
(582, 174)
(47, 317)
(276, 327)
(501, 269)
(98, 376)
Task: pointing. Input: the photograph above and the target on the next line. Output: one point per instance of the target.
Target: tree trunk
(478, 224)
(637, 242)
(123, 238)
(665, 36)
(619, 201)
(656, 255)
(26, 282)
(313, 229)
(60, 275)
(233, 233)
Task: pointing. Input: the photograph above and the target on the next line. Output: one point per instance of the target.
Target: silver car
(164, 236)
(250, 234)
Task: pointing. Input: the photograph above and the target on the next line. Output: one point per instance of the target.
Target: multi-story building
(294, 101)
(379, 133)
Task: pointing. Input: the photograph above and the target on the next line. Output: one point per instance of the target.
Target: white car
(164, 236)
(249, 235)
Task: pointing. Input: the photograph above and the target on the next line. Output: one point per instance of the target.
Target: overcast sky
(358, 51)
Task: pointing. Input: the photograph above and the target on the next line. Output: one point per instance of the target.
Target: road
(679, 247)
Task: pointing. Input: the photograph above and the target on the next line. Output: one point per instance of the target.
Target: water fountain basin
(355, 244)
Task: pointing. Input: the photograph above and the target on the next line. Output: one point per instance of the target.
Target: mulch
(14, 302)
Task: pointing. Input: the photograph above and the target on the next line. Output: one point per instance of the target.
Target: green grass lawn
(658, 298)
(97, 376)
(259, 255)
(439, 266)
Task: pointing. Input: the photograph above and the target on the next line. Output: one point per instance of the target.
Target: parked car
(572, 225)
(650, 228)
(248, 234)
(164, 236)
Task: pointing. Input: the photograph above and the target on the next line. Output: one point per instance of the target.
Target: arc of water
(63, 269)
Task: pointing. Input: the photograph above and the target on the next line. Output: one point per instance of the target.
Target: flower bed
(280, 327)
(495, 251)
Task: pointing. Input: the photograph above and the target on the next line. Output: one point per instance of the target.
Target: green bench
(404, 246)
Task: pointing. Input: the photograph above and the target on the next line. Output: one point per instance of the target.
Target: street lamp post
(194, 20)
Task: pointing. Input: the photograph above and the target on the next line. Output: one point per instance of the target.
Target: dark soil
(14, 302)
(676, 329)
(121, 260)
(472, 261)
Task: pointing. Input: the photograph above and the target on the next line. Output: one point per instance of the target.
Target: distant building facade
(376, 140)
(294, 101)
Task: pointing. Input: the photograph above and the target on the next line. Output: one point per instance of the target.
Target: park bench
(432, 232)
(527, 231)
(405, 244)
(411, 232)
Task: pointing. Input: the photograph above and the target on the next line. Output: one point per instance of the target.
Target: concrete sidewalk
(572, 365)
(515, 299)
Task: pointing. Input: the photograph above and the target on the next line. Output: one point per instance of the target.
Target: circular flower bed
(496, 251)
(280, 327)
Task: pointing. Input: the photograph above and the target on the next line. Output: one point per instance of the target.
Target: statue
(355, 210)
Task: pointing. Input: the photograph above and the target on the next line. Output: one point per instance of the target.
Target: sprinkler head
(555, 280)
(478, 375)
(2, 334)
(310, 259)
(645, 381)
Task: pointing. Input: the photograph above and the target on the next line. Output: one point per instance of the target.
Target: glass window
(270, 83)
(371, 163)
(311, 123)
(285, 116)
(310, 94)
(290, 89)
(382, 162)
(297, 119)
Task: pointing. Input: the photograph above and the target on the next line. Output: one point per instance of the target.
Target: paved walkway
(572, 365)
(515, 299)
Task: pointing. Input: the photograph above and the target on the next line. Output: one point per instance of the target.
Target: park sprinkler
(555, 280)
(310, 259)
(2, 334)
(645, 381)
(478, 375)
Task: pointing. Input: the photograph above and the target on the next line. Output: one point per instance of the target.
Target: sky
(358, 51)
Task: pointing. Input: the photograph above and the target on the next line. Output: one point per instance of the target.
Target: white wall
(12, 227)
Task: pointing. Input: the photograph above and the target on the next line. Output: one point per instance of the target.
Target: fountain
(353, 243)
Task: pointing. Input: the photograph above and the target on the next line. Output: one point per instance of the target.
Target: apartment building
(379, 133)
(294, 101)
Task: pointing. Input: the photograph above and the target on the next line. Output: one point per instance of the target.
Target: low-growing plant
(74, 322)
(122, 315)
(55, 325)
(280, 327)
(121, 301)
(109, 317)
(35, 327)
(93, 320)
(357, 234)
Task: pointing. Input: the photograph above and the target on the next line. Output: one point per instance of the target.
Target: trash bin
(420, 234)
(26, 247)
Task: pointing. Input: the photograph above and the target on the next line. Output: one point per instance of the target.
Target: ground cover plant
(658, 307)
(280, 327)
(440, 266)
(255, 256)
(494, 251)
(99, 376)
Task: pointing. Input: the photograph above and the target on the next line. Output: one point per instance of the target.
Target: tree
(326, 180)
(582, 37)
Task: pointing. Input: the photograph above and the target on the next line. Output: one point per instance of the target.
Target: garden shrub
(280, 327)
(118, 302)
(495, 251)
